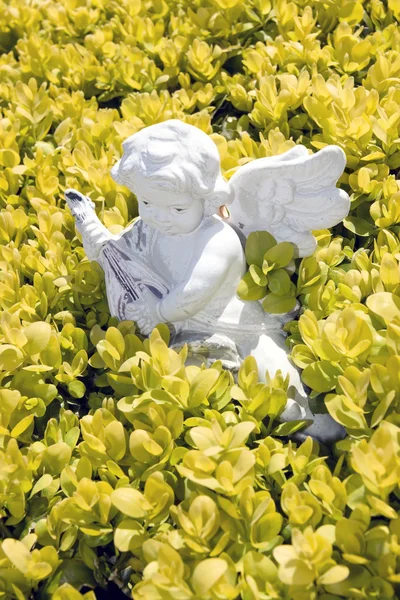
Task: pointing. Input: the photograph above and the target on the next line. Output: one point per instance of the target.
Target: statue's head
(174, 170)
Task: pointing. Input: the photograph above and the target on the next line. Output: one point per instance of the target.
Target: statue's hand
(94, 234)
(144, 313)
(80, 206)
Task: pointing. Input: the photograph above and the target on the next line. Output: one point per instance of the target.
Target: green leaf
(279, 283)
(38, 336)
(359, 226)
(201, 386)
(257, 275)
(43, 482)
(77, 388)
(129, 535)
(11, 357)
(97, 334)
(130, 502)
(382, 408)
(165, 332)
(22, 426)
(51, 355)
(206, 575)
(68, 592)
(334, 575)
(384, 304)
(338, 409)
(55, 457)
(257, 244)
(249, 290)
(290, 427)
(115, 440)
(17, 553)
(115, 338)
(389, 272)
(317, 405)
(280, 255)
(321, 376)
(302, 356)
(72, 571)
(278, 304)
(177, 454)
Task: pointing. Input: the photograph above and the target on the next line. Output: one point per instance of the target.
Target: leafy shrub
(118, 461)
(268, 277)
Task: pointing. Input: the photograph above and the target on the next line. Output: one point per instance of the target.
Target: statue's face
(169, 212)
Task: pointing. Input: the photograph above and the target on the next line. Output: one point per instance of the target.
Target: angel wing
(290, 195)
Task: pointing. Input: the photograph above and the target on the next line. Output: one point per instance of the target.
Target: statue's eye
(145, 203)
(179, 210)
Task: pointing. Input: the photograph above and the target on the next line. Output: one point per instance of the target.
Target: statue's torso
(173, 257)
(152, 254)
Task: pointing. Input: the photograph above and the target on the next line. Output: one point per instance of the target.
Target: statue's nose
(115, 172)
(162, 217)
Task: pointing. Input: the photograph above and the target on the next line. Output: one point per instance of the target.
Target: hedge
(119, 464)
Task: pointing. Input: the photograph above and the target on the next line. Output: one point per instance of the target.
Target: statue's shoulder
(222, 237)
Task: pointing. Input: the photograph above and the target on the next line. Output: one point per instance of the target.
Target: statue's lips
(161, 227)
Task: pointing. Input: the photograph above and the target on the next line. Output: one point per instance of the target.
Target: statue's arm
(94, 233)
(207, 274)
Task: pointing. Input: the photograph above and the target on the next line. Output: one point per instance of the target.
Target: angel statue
(180, 263)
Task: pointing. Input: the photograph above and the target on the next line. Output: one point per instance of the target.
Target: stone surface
(180, 263)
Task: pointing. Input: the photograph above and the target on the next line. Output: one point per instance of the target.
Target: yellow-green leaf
(38, 336)
(130, 502)
(280, 255)
(248, 289)
(257, 244)
(384, 304)
(278, 304)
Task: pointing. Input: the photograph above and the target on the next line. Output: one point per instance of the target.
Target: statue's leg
(271, 354)
(207, 348)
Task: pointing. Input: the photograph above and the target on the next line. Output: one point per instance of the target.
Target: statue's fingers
(144, 323)
(82, 213)
(80, 204)
(79, 216)
(75, 208)
(73, 197)
(136, 316)
(146, 328)
(130, 317)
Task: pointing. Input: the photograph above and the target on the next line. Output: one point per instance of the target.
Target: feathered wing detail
(290, 195)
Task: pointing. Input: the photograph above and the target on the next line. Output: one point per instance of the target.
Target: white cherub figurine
(181, 264)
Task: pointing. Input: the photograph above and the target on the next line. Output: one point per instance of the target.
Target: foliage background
(117, 463)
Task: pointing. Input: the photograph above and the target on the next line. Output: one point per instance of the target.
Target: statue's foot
(208, 348)
(271, 355)
(324, 429)
(80, 206)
